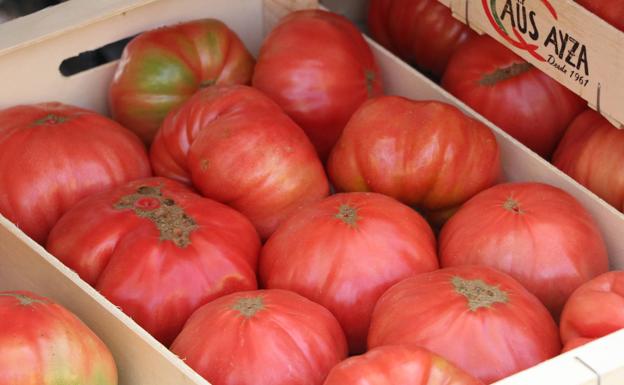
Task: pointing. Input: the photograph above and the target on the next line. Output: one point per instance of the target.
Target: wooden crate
(31, 50)
(561, 38)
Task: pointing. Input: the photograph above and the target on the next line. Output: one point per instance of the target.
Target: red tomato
(592, 152)
(612, 11)
(318, 68)
(537, 233)
(378, 11)
(344, 252)
(575, 343)
(396, 364)
(594, 310)
(423, 153)
(238, 147)
(52, 155)
(477, 317)
(422, 32)
(162, 68)
(42, 343)
(263, 337)
(522, 100)
(157, 250)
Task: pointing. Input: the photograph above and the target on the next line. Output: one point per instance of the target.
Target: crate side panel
(58, 19)
(598, 362)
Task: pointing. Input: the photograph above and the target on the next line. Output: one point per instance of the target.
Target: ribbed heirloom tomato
(424, 153)
(594, 310)
(161, 68)
(592, 152)
(52, 155)
(537, 233)
(511, 93)
(263, 337)
(398, 365)
(157, 250)
(344, 252)
(318, 68)
(238, 147)
(42, 343)
(422, 32)
(479, 318)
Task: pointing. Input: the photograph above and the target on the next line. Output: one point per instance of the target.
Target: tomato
(396, 364)
(422, 32)
(238, 147)
(537, 233)
(157, 250)
(52, 155)
(592, 152)
(594, 310)
(612, 11)
(318, 68)
(575, 343)
(262, 337)
(517, 97)
(42, 343)
(424, 153)
(477, 317)
(344, 252)
(161, 68)
(378, 11)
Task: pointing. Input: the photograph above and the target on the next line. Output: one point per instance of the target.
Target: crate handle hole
(91, 59)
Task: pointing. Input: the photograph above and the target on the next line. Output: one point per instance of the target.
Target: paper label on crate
(575, 47)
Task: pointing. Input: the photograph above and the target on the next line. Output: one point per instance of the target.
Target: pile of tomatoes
(265, 219)
(517, 97)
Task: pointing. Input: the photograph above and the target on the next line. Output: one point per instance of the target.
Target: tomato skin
(344, 252)
(612, 11)
(397, 364)
(221, 129)
(424, 153)
(378, 11)
(263, 337)
(317, 66)
(42, 343)
(504, 336)
(592, 152)
(422, 32)
(575, 343)
(594, 310)
(52, 155)
(161, 68)
(157, 273)
(537, 233)
(526, 103)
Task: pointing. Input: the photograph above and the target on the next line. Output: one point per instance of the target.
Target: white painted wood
(601, 359)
